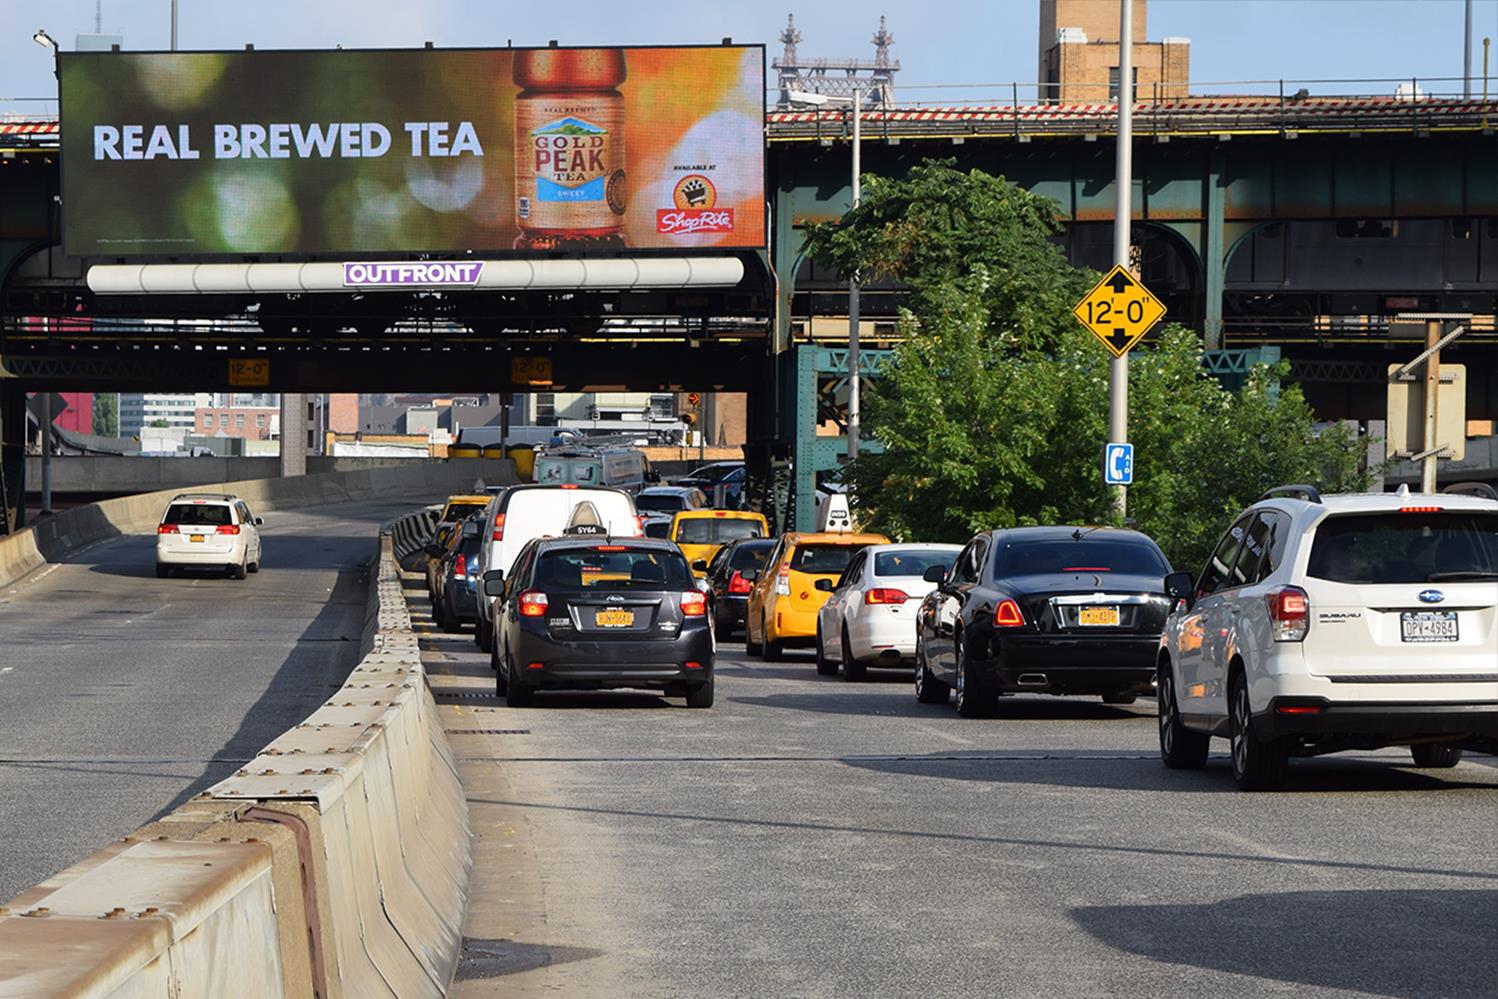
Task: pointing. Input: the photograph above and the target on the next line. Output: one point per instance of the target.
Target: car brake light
(1421, 509)
(1008, 615)
(640, 524)
(533, 604)
(499, 527)
(228, 529)
(167, 529)
(720, 513)
(1289, 613)
(738, 584)
(689, 664)
(569, 485)
(609, 548)
(693, 604)
(460, 565)
(1299, 709)
(885, 595)
(783, 580)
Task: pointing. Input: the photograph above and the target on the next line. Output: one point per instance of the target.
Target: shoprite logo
(685, 221)
(442, 273)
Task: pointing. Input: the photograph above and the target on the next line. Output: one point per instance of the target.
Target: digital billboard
(224, 154)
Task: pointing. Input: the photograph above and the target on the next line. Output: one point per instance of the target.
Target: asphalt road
(121, 694)
(811, 837)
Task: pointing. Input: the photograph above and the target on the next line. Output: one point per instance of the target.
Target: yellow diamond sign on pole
(1119, 311)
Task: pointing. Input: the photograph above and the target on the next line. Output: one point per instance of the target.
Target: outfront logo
(1431, 596)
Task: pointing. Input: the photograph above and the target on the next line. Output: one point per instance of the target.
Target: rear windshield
(607, 568)
(716, 530)
(748, 556)
(1044, 558)
(911, 563)
(194, 513)
(460, 511)
(657, 528)
(713, 473)
(1405, 548)
(667, 502)
(823, 559)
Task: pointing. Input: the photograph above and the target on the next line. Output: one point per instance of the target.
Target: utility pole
(1123, 184)
(853, 379)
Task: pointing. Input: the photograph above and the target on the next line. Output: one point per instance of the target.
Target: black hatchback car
(730, 577)
(1048, 610)
(591, 612)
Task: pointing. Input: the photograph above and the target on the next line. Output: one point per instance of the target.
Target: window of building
(238, 419)
(1113, 83)
(260, 420)
(223, 420)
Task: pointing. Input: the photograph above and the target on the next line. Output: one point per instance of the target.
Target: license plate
(196, 537)
(1427, 626)
(614, 618)
(1098, 616)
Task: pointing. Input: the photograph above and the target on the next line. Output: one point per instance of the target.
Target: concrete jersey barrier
(334, 864)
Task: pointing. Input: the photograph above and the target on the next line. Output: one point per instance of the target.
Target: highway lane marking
(1252, 845)
(948, 736)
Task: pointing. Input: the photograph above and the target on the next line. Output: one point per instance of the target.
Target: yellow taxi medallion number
(1119, 311)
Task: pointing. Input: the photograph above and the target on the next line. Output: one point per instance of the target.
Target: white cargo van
(611, 467)
(521, 513)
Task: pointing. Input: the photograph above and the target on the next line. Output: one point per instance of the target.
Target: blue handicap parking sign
(1118, 465)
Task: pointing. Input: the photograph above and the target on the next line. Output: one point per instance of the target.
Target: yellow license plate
(615, 618)
(1103, 616)
(196, 537)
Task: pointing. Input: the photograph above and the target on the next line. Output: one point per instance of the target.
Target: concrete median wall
(55, 538)
(334, 864)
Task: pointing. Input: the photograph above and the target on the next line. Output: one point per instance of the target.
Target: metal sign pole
(853, 319)
(1432, 397)
(1118, 372)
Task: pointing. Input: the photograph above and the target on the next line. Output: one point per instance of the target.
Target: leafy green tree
(993, 411)
(107, 414)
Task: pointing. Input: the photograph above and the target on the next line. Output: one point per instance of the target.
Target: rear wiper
(1461, 574)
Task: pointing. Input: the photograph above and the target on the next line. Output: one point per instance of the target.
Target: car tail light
(1421, 509)
(738, 584)
(885, 595)
(693, 604)
(499, 527)
(460, 565)
(1299, 709)
(1008, 615)
(692, 665)
(228, 529)
(167, 529)
(569, 485)
(783, 580)
(1289, 613)
(533, 604)
(609, 548)
(535, 666)
(640, 525)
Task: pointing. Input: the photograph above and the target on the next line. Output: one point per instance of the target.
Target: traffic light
(689, 418)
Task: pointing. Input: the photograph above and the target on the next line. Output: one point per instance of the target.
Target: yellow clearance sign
(1119, 311)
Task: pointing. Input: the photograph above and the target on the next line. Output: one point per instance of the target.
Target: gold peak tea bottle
(569, 149)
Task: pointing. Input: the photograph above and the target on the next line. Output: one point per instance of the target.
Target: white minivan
(208, 531)
(611, 467)
(521, 513)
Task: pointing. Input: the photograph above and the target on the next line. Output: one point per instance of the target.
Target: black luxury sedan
(1046, 610)
(590, 612)
(729, 577)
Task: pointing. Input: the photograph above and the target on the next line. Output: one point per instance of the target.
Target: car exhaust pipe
(1033, 680)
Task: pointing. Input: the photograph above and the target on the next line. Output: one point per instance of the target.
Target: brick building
(1079, 54)
(255, 423)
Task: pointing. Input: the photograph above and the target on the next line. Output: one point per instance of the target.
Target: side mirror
(1180, 586)
(700, 565)
(494, 582)
(823, 585)
(935, 574)
(749, 575)
(259, 521)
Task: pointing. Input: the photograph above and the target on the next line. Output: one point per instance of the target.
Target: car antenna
(1081, 533)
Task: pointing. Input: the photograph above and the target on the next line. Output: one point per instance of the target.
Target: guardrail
(334, 864)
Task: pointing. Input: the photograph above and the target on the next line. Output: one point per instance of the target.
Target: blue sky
(937, 41)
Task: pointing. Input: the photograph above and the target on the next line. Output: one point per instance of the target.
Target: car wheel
(722, 631)
(501, 676)
(485, 636)
(853, 670)
(1180, 747)
(255, 565)
(973, 701)
(1436, 755)
(928, 689)
(238, 571)
(701, 696)
(517, 695)
(163, 571)
(451, 623)
(1119, 698)
(437, 612)
(825, 666)
(751, 647)
(774, 652)
(1258, 764)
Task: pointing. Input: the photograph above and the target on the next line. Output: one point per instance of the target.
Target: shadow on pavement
(873, 699)
(490, 958)
(1410, 943)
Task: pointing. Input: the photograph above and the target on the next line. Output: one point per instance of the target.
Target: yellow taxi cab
(460, 507)
(784, 599)
(700, 533)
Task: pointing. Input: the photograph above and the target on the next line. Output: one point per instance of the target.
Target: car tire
(255, 565)
(163, 571)
(238, 571)
(701, 696)
(1436, 755)
(825, 666)
(1180, 747)
(501, 676)
(1120, 698)
(1258, 764)
(928, 689)
(973, 700)
(853, 670)
(751, 647)
(722, 632)
(451, 623)
(774, 652)
(517, 695)
(485, 636)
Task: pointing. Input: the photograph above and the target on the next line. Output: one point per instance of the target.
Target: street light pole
(1467, 53)
(1118, 371)
(853, 378)
(174, 25)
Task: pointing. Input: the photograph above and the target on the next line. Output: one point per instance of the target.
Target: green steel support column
(785, 258)
(1214, 262)
(12, 457)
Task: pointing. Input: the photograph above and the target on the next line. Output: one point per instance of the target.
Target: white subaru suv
(208, 531)
(1322, 624)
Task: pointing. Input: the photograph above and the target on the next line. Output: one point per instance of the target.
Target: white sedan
(870, 617)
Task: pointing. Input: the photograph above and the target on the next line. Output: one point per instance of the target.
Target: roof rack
(1301, 492)
(1472, 489)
